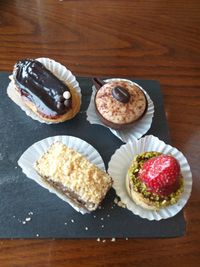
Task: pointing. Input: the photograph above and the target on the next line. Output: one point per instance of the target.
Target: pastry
(49, 98)
(154, 180)
(73, 175)
(119, 103)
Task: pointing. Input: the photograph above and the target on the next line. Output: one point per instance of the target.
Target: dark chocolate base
(88, 206)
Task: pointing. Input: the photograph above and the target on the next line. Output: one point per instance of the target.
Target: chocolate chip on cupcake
(119, 103)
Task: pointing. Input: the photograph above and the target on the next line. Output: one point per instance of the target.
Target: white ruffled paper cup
(137, 130)
(34, 152)
(58, 70)
(121, 161)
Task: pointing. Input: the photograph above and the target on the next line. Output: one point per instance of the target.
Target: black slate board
(51, 217)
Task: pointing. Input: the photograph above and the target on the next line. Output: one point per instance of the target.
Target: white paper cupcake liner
(138, 129)
(34, 152)
(121, 161)
(59, 70)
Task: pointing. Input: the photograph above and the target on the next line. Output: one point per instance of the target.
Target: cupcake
(119, 104)
(154, 180)
(43, 92)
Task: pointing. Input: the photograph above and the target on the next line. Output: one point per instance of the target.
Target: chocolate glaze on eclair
(40, 86)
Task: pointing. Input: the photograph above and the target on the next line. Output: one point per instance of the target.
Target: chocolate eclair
(44, 93)
(119, 103)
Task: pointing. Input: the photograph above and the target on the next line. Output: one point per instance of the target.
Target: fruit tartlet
(154, 180)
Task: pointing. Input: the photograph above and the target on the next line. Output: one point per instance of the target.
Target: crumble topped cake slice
(74, 176)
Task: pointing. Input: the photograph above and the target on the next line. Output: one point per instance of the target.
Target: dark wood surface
(143, 39)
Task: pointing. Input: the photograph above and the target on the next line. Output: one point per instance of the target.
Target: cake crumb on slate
(119, 203)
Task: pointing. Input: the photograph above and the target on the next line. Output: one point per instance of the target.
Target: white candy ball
(66, 95)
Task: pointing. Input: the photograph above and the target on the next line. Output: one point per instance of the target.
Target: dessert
(74, 176)
(154, 180)
(119, 103)
(44, 93)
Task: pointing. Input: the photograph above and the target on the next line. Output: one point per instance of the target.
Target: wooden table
(143, 39)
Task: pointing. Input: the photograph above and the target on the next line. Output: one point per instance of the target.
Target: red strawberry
(161, 174)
